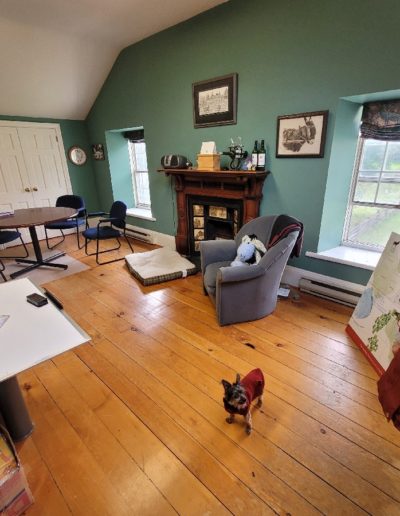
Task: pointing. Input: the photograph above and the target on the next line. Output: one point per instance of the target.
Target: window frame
(134, 175)
(351, 202)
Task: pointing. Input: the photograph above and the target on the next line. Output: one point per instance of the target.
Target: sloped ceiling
(56, 54)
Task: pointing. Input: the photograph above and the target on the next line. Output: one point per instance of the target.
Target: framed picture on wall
(302, 135)
(215, 101)
(98, 151)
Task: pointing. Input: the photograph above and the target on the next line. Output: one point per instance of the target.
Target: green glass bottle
(261, 157)
(254, 156)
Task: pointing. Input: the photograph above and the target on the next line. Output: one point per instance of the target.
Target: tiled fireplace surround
(213, 204)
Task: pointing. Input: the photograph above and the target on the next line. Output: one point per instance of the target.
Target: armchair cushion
(210, 276)
(212, 251)
(101, 233)
(66, 224)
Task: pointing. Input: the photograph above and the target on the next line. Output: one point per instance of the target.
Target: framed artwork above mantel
(215, 101)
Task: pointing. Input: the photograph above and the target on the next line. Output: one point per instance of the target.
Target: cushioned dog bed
(159, 265)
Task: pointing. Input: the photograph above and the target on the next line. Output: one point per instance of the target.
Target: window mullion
(357, 163)
(380, 174)
(132, 155)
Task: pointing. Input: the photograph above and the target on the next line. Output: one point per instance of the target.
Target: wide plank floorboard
(133, 422)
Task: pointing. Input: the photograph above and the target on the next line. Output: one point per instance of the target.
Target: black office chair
(68, 201)
(7, 236)
(113, 226)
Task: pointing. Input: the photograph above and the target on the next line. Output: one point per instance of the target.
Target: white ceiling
(56, 54)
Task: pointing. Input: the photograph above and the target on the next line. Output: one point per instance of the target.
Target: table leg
(39, 262)
(13, 410)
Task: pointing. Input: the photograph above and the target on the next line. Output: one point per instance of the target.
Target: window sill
(352, 256)
(140, 213)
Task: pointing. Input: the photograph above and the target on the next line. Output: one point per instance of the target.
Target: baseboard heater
(139, 234)
(329, 291)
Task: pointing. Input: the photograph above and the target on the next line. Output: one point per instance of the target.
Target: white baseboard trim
(164, 240)
(292, 275)
(157, 238)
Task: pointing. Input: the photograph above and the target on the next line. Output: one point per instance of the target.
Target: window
(140, 174)
(374, 207)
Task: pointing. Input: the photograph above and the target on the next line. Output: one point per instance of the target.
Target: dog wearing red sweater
(240, 394)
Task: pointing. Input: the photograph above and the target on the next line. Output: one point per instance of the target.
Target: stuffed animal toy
(250, 251)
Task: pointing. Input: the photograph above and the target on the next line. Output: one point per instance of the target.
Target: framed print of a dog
(302, 135)
(215, 101)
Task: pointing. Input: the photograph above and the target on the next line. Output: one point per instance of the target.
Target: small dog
(240, 394)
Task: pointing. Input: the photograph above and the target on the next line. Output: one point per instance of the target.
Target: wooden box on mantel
(208, 161)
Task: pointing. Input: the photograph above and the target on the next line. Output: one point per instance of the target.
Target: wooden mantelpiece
(241, 185)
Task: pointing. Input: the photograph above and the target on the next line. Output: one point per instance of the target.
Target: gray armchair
(249, 292)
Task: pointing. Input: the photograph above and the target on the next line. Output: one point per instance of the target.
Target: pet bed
(159, 265)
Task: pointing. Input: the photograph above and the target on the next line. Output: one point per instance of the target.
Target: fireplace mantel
(244, 185)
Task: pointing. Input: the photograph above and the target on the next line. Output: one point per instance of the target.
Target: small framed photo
(218, 212)
(198, 210)
(198, 222)
(302, 135)
(98, 151)
(215, 101)
(199, 234)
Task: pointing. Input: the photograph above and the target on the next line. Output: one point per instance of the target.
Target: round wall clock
(77, 155)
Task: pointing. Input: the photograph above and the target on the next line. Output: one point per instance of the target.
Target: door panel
(14, 181)
(15, 192)
(43, 162)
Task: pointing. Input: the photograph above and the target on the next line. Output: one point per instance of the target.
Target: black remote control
(36, 299)
(53, 299)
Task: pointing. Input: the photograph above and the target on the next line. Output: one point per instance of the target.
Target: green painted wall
(121, 175)
(74, 132)
(292, 56)
(344, 147)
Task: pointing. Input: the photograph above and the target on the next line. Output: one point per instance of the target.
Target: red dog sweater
(253, 384)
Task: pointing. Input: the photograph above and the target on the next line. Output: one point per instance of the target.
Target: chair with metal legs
(68, 201)
(113, 226)
(7, 236)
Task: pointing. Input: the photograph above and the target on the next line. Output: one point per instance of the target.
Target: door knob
(27, 189)
(35, 189)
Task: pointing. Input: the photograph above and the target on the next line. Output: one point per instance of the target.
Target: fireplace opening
(212, 219)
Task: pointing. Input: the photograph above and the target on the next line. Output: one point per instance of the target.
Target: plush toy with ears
(250, 251)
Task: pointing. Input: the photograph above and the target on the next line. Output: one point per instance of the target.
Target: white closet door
(33, 168)
(41, 150)
(15, 188)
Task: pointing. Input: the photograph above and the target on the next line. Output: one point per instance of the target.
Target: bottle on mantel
(261, 157)
(254, 156)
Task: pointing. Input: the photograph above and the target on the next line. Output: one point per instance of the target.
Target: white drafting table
(30, 335)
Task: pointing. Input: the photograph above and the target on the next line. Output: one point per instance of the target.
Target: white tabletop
(32, 334)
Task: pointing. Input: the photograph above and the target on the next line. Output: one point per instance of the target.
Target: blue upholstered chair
(108, 228)
(7, 236)
(250, 292)
(68, 201)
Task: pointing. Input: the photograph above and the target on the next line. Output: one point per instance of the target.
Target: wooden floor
(133, 423)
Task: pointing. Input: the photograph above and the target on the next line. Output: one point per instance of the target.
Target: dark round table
(30, 218)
